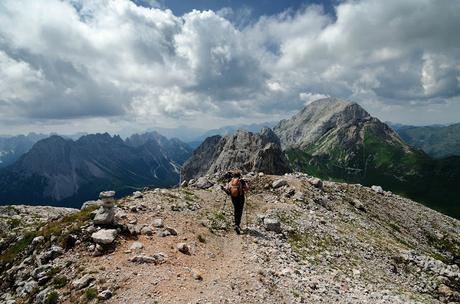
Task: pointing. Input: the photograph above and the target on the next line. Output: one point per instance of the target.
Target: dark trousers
(238, 205)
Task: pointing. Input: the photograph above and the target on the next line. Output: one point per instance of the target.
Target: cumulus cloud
(82, 59)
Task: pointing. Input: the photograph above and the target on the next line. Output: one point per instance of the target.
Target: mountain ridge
(63, 171)
(242, 150)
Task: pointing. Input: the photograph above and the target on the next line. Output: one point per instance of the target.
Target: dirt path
(227, 262)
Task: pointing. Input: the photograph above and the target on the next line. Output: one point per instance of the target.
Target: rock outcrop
(260, 152)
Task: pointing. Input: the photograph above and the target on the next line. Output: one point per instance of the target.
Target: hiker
(236, 188)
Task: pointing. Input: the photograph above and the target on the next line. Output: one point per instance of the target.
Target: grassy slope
(375, 162)
(436, 141)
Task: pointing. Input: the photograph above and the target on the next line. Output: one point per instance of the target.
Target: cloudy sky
(120, 66)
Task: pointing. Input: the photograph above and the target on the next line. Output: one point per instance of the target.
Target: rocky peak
(242, 150)
(318, 118)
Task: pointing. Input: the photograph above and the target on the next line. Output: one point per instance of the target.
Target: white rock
(107, 194)
(37, 240)
(89, 204)
(104, 216)
(83, 282)
(104, 236)
(146, 230)
(137, 194)
(158, 223)
(155, 259)
(279, 183)
(203, 183)
(136, 246)
(105, 295)
(378, 189)
(316, 182)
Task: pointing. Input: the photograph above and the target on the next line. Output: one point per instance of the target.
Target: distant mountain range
(330, 138)
(59, 171)
(436, 141)
(13, 147)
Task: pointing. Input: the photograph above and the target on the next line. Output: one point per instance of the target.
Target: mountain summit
(328, 122)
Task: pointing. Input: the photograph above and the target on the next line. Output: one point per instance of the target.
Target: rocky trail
(305, 241)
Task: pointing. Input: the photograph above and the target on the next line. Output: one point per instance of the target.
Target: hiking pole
(247, 206)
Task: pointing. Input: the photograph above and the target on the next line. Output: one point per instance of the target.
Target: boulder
(38, 240)
(83, 282)
(27, 288)
(279, 183)
(184, 248)
(51, 254)
(105, 295)
(203, 183)
(107, 197)
(136, 246)
(272, 224)
(89, 204)
(104, 216)
(146, 230)
(299, 196)
(158, 223)
(155, 259)
(45, 295)
(134, 229)
(137, 194)
(107, 194)
(378, 189)
(316, 182)
(168, 232)
(104, 236)
(358, 204)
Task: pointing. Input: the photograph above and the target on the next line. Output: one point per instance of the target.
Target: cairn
(105, 215)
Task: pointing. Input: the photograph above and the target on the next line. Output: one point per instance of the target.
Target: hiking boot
(237, 229)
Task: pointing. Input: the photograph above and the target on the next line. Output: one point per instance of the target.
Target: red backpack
(236, 187)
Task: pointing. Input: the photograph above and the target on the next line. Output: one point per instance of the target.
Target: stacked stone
(105, 215)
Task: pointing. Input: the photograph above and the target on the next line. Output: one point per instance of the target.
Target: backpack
(236, 187)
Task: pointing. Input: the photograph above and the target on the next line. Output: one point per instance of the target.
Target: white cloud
(310, 97)
(83, 58)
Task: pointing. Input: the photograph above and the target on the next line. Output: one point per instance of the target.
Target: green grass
(404, 171)
(13, 223)
(301, 241)
(60, 281)
(52, 298)
(71, 224)
(90, 294)
(218, 221)
(17, 248)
